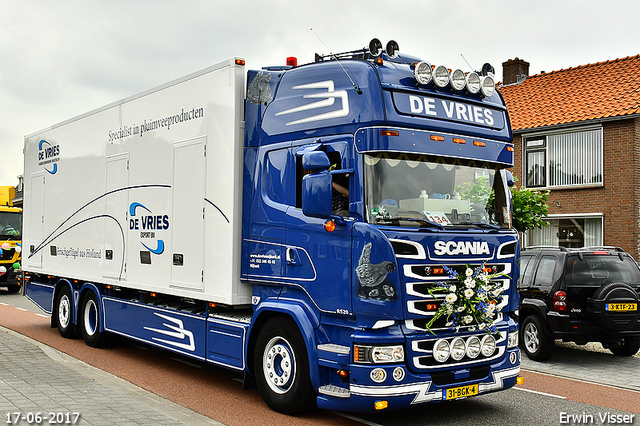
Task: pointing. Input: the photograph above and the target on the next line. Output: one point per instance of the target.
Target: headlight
(423, 72)
(441, 76)
(441, 350)
(488, 86)
(473, 347)
(458, 79)
(473, 83)
(513, 340)
(488, 345)
(378, 354)
(458, 348)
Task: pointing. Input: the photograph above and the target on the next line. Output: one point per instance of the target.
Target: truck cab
(424, 161)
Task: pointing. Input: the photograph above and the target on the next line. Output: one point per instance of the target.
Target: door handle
(292, 256)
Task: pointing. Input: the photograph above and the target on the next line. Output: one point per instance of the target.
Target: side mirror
(315, 160)
(316, 194)
(510, 180)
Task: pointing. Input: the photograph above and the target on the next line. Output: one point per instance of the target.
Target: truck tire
(534, 340)
(63, 311)
(629, 347)
(89, 321)
(615, 293)
(281, 367)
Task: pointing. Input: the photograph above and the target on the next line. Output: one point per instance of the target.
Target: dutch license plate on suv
(621, 307)
(461, 392)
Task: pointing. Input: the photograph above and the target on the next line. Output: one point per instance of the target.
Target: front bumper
(362, 394)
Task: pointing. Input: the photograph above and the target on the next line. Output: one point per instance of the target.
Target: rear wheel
(628, 347)
(90, 321)
(281, 367)
(535, 342)
(64, 313)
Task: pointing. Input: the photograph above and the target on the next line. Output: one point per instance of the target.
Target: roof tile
(575, 94)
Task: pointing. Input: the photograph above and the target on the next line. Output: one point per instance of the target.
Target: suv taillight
(560, 301)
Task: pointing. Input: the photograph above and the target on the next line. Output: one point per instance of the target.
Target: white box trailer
(109, 191)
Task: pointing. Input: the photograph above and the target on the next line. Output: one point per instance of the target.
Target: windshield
(428, 191)
(10, 225)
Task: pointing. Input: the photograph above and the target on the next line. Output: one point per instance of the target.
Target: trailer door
(189, 171)
(117, 206)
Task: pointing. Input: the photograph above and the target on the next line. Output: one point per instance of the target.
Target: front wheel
(534, 341)
(281, 367)
(90, 321)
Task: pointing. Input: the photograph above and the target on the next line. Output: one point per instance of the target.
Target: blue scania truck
(306, 226)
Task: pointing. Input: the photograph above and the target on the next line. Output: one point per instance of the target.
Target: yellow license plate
(461, 392)
(622, 307)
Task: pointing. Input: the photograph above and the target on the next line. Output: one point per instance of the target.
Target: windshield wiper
(422, 222)
(481, 225)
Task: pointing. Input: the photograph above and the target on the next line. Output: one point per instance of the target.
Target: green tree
(529, 208)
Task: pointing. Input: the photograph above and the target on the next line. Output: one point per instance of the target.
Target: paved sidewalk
(35, 378)
(594, 367)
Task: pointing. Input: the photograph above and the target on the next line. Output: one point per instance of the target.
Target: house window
(570, 232)
(564, 159)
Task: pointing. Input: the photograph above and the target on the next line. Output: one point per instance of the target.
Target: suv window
(544, 276)
(526, 269)
(594, 270)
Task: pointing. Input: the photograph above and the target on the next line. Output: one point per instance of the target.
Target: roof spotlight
(423, 72)
(473, 83)
(441, 76)
(375, 47)
(487, 69)
(392, 49)
(457, 79)
(487, 86)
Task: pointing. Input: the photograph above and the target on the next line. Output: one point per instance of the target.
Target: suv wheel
(628, 347)
(534, 341)
(615, 293)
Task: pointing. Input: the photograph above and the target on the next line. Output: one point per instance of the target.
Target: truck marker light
(343, 374)
(329, 226)
(240, 62)
(381, 405)
(459, 140)
(152, 294)
(437, 138)
(479, 143)
(292, 61)
(389, 133)
(510, 148)
(520, 380)
(431, 307)
(379, 61)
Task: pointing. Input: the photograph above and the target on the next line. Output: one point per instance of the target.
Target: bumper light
(473, 347)
(378, 375)
(398, 374)
(458, 348)
(488, 345)
(513, 340)
(441, 350)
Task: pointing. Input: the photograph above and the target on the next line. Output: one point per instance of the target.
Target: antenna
(355, 86)
(465, 59)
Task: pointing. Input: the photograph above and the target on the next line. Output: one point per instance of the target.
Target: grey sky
(59, 59)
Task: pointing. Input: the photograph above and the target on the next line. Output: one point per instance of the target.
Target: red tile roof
(588, 92)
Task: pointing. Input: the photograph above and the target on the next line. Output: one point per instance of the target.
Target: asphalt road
(216, 393)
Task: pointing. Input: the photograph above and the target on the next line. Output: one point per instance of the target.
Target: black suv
(578, 295)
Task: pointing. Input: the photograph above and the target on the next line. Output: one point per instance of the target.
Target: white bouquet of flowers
(470, 300)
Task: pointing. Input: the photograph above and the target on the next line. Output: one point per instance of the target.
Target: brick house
(577, 133)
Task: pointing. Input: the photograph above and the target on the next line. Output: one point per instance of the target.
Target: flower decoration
(470, 301)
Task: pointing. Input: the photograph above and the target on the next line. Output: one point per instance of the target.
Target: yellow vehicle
(10, 240)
